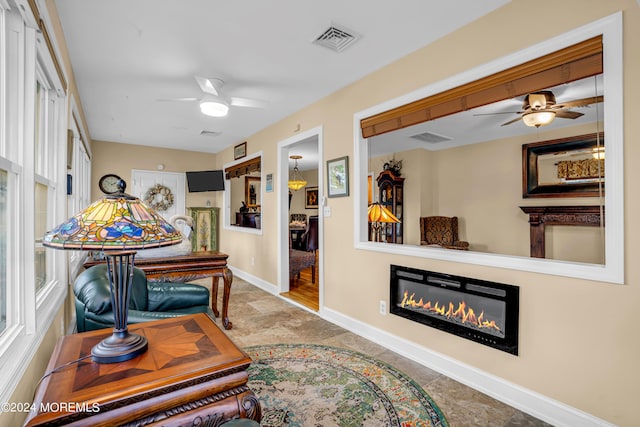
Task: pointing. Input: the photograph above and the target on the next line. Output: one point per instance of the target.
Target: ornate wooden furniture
(192, 374)
(252, 191)
(196, 265)
(539, 216)
(298, 261)
(441, 231)
(248, 219)
(205, 228)
(391, 191)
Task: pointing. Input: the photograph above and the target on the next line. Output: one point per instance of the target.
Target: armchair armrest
(175, 296)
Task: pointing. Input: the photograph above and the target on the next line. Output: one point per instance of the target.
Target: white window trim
(30, 316)
(613, 269)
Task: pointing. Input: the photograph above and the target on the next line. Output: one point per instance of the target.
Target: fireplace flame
(462, 313)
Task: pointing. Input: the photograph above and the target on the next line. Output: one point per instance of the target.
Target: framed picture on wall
(338, 177)
(567, 167)
(240, 151)
(311, 197)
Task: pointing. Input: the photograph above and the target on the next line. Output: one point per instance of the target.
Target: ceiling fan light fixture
(214, 107)
(538, 118)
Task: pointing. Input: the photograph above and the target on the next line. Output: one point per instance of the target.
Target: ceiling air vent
(430, 137)
(336, 38)
(210, 133)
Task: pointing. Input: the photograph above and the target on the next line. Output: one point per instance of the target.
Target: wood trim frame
(251, 165)
(45, 33)
(539, 216)
(565, 65)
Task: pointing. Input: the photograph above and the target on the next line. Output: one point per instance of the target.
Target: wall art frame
(566, 167)
(240, 151)
(311, 197)
(338, 177)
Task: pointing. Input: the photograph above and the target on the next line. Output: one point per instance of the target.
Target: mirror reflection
(245, 200)
(459, 182)
(252, 191)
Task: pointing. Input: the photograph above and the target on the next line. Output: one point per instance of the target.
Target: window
(3, 250)
(78, 180)
(33, 280)
(471, 89)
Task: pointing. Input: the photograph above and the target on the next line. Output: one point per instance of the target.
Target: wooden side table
(185, 268)
(192, 374)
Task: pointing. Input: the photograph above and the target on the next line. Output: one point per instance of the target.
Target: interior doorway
(300, 213)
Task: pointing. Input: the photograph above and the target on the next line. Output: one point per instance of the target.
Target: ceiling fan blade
(176, 99)
(500, 112)
(566, 114)
(211, 86)
(580, 102)
(511, 121)
(245, 102)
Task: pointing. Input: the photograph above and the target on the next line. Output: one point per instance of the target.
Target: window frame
(226, 204)
(613, 270)
(26, 57)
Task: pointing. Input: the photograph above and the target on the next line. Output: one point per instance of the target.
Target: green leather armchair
(148, 300)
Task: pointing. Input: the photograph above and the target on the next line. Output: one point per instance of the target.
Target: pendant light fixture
(296, 181)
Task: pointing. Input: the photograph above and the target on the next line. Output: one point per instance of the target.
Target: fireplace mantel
(539, 216)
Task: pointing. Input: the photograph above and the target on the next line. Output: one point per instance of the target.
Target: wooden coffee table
(192, 374)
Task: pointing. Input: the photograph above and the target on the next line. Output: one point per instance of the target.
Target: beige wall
(298, 201)
(121, 159)
(564, 354)
(482, 185)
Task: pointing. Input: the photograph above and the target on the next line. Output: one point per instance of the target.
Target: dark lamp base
(119, 347)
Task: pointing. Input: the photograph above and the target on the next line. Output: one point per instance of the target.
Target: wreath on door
(159, 197)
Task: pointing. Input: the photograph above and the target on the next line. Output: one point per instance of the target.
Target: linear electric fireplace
(481, 311)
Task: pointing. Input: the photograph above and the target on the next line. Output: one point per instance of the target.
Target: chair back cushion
(91, 287)
(312, 234)
(439, 230)
(298, 219)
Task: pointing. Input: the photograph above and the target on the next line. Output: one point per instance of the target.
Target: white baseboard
(542, 407)
(535, 404)
(256, 281)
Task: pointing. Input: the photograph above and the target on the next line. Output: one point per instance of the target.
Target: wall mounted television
(199, 181)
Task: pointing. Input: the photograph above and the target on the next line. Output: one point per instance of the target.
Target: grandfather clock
(390, 187)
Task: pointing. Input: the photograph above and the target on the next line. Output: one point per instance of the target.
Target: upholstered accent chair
(148, 300)
(441, 231)
(310, 236)
(298, 218)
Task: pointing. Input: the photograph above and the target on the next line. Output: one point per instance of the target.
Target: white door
(146, 181)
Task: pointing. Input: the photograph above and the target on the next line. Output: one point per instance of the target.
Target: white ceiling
(129, 54)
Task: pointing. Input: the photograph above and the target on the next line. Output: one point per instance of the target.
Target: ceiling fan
(215, 102)
(540, 108)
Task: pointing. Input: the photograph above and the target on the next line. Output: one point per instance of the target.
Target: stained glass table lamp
(119, 225)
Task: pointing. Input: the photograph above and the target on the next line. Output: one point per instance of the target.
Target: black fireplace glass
(479, 310)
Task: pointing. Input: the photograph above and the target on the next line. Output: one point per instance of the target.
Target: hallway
(303, 291)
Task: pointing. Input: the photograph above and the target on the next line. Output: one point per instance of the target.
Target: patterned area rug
(315, 385)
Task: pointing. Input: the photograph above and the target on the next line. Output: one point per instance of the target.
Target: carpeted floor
(317, 385)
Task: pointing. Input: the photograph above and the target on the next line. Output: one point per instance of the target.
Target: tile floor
(261, 318)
